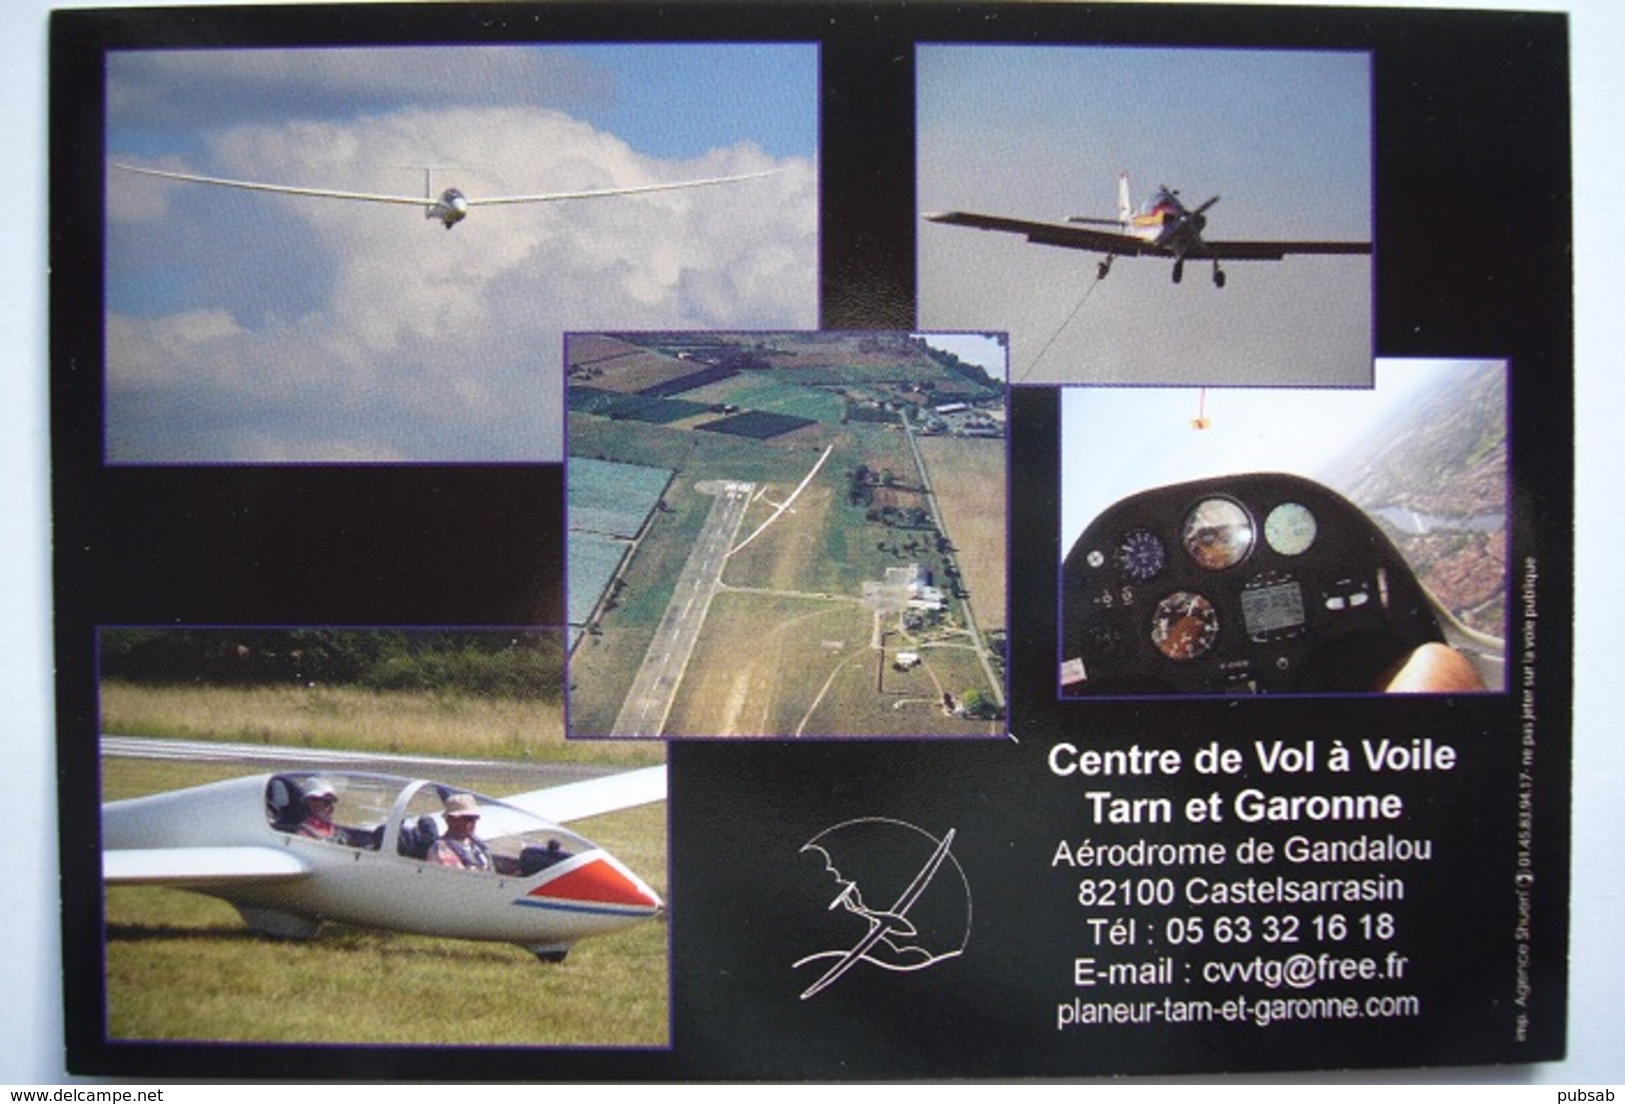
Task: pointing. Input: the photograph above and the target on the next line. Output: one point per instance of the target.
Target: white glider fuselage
(240, 840)
(451, 208)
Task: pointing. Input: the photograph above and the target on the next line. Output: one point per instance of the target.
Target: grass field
(968, 476)
(773, 665)
(352, 719)
(729, 690)
(772, 391)
(825, 544)
(184, 966)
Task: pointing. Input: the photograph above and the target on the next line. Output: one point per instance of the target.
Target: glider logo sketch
(927, 919)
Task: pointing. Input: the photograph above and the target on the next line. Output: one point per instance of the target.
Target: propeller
(1197, 219)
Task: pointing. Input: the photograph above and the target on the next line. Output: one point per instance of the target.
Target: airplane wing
(199, 867)
(1052, 233)
(579, 800)
(554, 197)
(1100, 241)
(427, 201)
(1270, 250)
(284, 189)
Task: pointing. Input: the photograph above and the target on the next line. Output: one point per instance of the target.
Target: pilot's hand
(1435, 669)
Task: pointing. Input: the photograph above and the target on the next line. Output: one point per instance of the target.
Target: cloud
(341, 330)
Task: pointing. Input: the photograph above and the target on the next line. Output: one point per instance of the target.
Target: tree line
(524, 664)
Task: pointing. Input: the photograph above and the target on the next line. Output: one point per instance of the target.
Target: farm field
(968, 477)
(772, 392)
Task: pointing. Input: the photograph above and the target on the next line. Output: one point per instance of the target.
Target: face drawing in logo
(901, 903)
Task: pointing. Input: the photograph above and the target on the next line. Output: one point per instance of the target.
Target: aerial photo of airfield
(367, 711)
(786, 534)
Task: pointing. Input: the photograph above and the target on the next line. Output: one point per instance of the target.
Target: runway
(648, 703)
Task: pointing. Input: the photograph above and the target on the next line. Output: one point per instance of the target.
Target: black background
(1471, 127)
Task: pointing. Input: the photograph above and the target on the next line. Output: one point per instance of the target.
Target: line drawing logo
(928, 920)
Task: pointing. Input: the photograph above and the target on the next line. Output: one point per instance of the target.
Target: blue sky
(721, 92)
(1118, 441)
(665, 100)
(249, 327)
(1283, 138)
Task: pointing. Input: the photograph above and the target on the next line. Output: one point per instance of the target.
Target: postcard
(863, 542)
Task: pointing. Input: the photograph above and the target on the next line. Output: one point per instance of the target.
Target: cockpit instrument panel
(1248, 584)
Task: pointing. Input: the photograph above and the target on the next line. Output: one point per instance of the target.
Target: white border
(29, 909)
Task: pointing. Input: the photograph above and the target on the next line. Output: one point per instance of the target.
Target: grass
(768, 665)
(181, 966)
(968, 477)
(392, 722)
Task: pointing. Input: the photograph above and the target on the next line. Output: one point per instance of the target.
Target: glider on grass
(292, 849)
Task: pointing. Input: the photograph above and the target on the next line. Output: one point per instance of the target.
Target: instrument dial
(1141, 555)
(1218, 534)
(1290, 529)
(1185, 626)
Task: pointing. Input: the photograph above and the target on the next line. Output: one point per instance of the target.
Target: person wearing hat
(319, 800)
(460, 846)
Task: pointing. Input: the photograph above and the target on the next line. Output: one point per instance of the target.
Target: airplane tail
(1125, 209)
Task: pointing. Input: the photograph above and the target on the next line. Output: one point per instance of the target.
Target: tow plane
(267, 845)
(1163, 227)
(452, 206)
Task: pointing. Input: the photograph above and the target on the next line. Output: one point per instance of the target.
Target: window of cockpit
(521, 845)
(344, 810)
(528, 852)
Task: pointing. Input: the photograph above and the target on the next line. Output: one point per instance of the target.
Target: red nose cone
(599, 883)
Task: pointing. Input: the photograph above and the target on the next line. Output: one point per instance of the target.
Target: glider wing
(285, 189)
(199, 867)
(638, 189)
(578, 800)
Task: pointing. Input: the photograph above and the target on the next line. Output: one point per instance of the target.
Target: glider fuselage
(239, 840)
(451, 208)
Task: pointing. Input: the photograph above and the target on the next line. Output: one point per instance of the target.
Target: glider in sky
(452, 206)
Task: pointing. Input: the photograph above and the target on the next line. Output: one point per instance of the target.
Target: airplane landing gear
(1179, 270)
(1218, 275)
(1103, 267)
